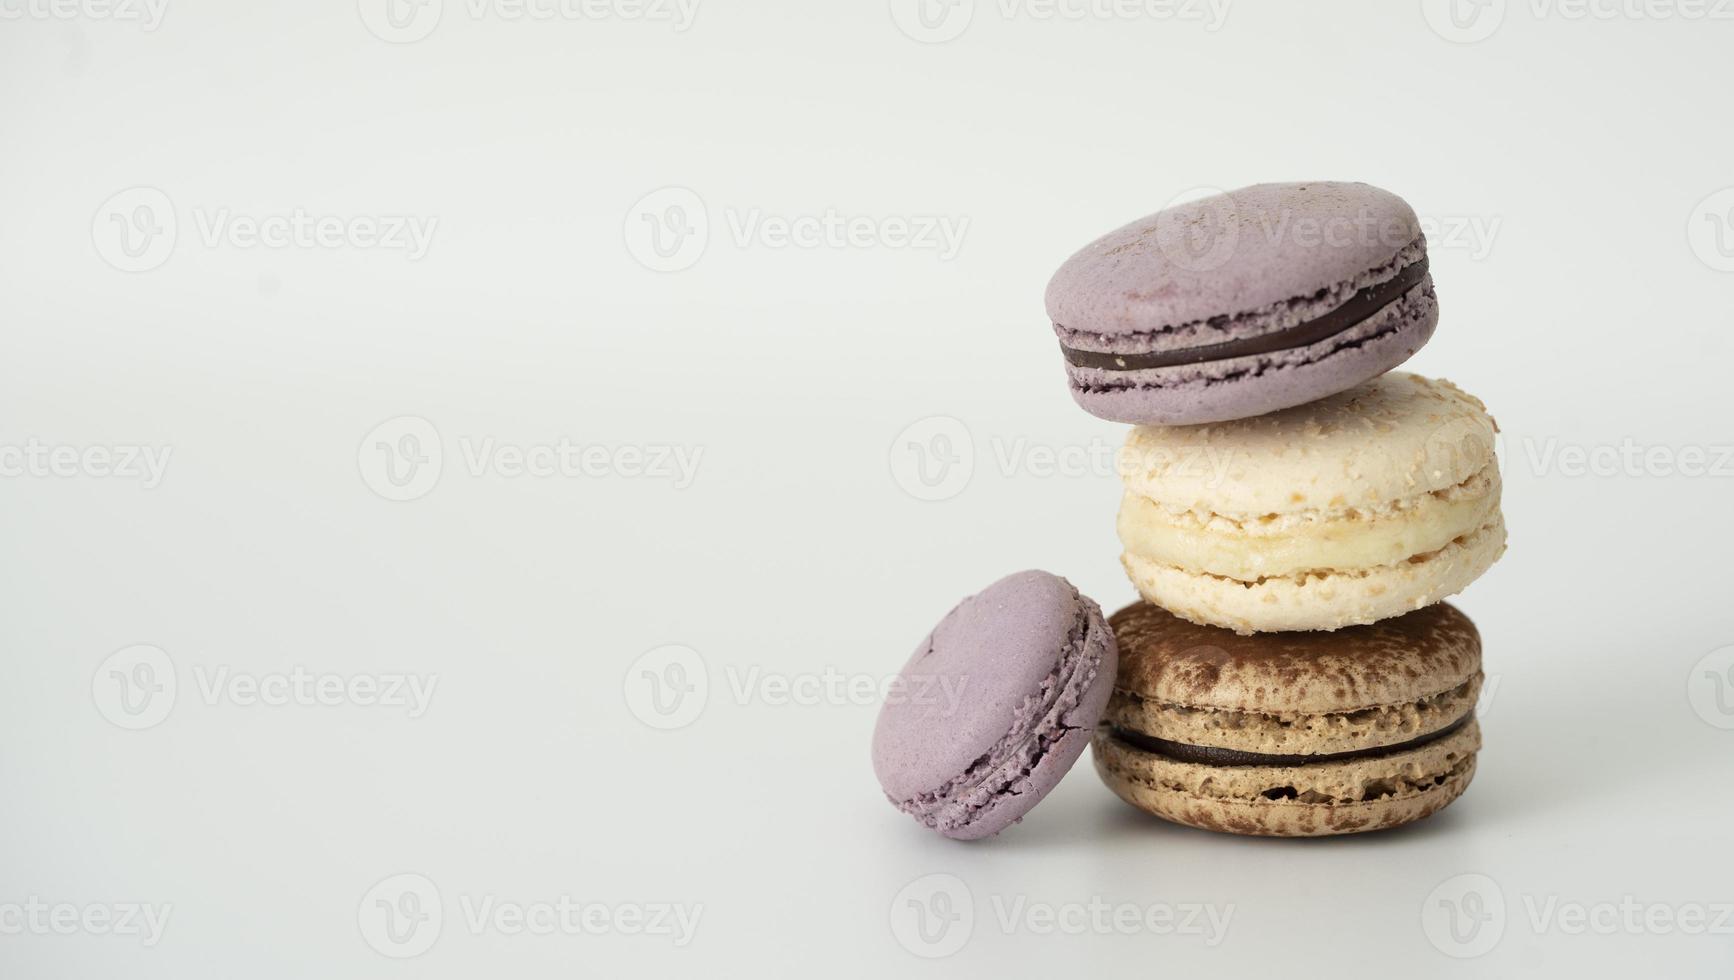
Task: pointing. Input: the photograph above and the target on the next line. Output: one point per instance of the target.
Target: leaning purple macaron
(1243, 303)
(995, 706)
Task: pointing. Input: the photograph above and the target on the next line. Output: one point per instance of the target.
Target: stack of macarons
(1293, 514)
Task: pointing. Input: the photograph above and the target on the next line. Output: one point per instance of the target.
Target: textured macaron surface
(1243, 303)
(1323, 799)
(1392, 439)
(1232, 264)
(995, 705)
(1171, 661)
(1344, 511)
(1292, 733)
(1294, 693)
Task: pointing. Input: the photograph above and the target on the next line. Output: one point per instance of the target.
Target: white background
(1567, 163)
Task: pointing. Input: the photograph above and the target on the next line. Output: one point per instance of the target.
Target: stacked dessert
(1293, 514)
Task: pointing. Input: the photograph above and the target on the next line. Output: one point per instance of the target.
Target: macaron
(995, 706)
(1243, 303)
(1292, 734)
(1345, 511)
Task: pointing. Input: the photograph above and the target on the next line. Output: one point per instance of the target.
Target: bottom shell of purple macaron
(1219, 391)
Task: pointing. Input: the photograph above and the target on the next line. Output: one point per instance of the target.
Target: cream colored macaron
(1346, 511)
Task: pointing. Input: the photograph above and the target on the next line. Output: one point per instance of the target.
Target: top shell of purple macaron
(995, 705)
(1228, 254)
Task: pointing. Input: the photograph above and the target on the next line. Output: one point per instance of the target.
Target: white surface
(1588, 310)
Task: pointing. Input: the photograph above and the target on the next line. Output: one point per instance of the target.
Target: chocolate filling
(1358, 309)
(1209, 755)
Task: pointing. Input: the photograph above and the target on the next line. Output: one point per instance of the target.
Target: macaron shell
(1353, 796)
(1325, 599)
(1288, 734)
(1240, 252)
(1242, 269)
(1238, 388)
(1346, 511)
(1070, 732)
(1020, 675)
(1294, 693)
(1297, 733)
(975, 677)
(1166, 659)
(1278, 546)
(1384, 441)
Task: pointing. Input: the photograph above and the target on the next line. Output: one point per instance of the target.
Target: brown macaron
(1292, 734)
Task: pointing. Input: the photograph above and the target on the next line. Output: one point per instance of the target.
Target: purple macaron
(995, 705)
(1243, 303)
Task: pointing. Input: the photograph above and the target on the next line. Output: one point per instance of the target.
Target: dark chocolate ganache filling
(1208, 755)
(1358, 309)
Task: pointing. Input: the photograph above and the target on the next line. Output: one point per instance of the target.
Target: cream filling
(1270, 547)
